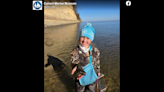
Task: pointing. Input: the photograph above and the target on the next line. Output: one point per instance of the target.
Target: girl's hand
(98, 74)
(79, 76)
(74, 69)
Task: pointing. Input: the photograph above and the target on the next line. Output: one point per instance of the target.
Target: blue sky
(98, 10)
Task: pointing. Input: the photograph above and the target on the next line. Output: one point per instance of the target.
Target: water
(59, 41)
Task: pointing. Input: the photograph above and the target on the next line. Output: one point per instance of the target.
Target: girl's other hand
(98, 74)
(79, 76)
(74, 69)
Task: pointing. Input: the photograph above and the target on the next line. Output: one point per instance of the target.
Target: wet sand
(58, 43)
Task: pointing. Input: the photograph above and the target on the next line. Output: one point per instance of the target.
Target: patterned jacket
(83, 58)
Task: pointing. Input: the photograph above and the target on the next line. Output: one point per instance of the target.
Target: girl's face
(85, 41)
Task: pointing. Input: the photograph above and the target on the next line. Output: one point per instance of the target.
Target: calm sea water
(59, 42)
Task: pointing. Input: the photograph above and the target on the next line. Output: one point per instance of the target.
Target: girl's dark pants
(88, 88)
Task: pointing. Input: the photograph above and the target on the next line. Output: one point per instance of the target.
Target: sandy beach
(50, 22)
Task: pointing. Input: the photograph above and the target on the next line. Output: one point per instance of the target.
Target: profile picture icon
(37, 5)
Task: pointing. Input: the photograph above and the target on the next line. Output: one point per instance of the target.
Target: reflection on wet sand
(58, 43)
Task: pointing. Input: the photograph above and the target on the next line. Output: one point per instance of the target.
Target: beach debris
(49, 42)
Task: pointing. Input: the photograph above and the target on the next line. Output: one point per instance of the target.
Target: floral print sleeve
(74, 57)
(96, 56)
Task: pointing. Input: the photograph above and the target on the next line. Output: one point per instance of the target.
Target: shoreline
(50, 22)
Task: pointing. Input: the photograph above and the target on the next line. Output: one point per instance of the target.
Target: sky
(100, 10)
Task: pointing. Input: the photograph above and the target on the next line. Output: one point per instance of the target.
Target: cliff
(60, 14)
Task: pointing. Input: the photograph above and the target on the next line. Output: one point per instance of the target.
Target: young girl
(86, 54)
